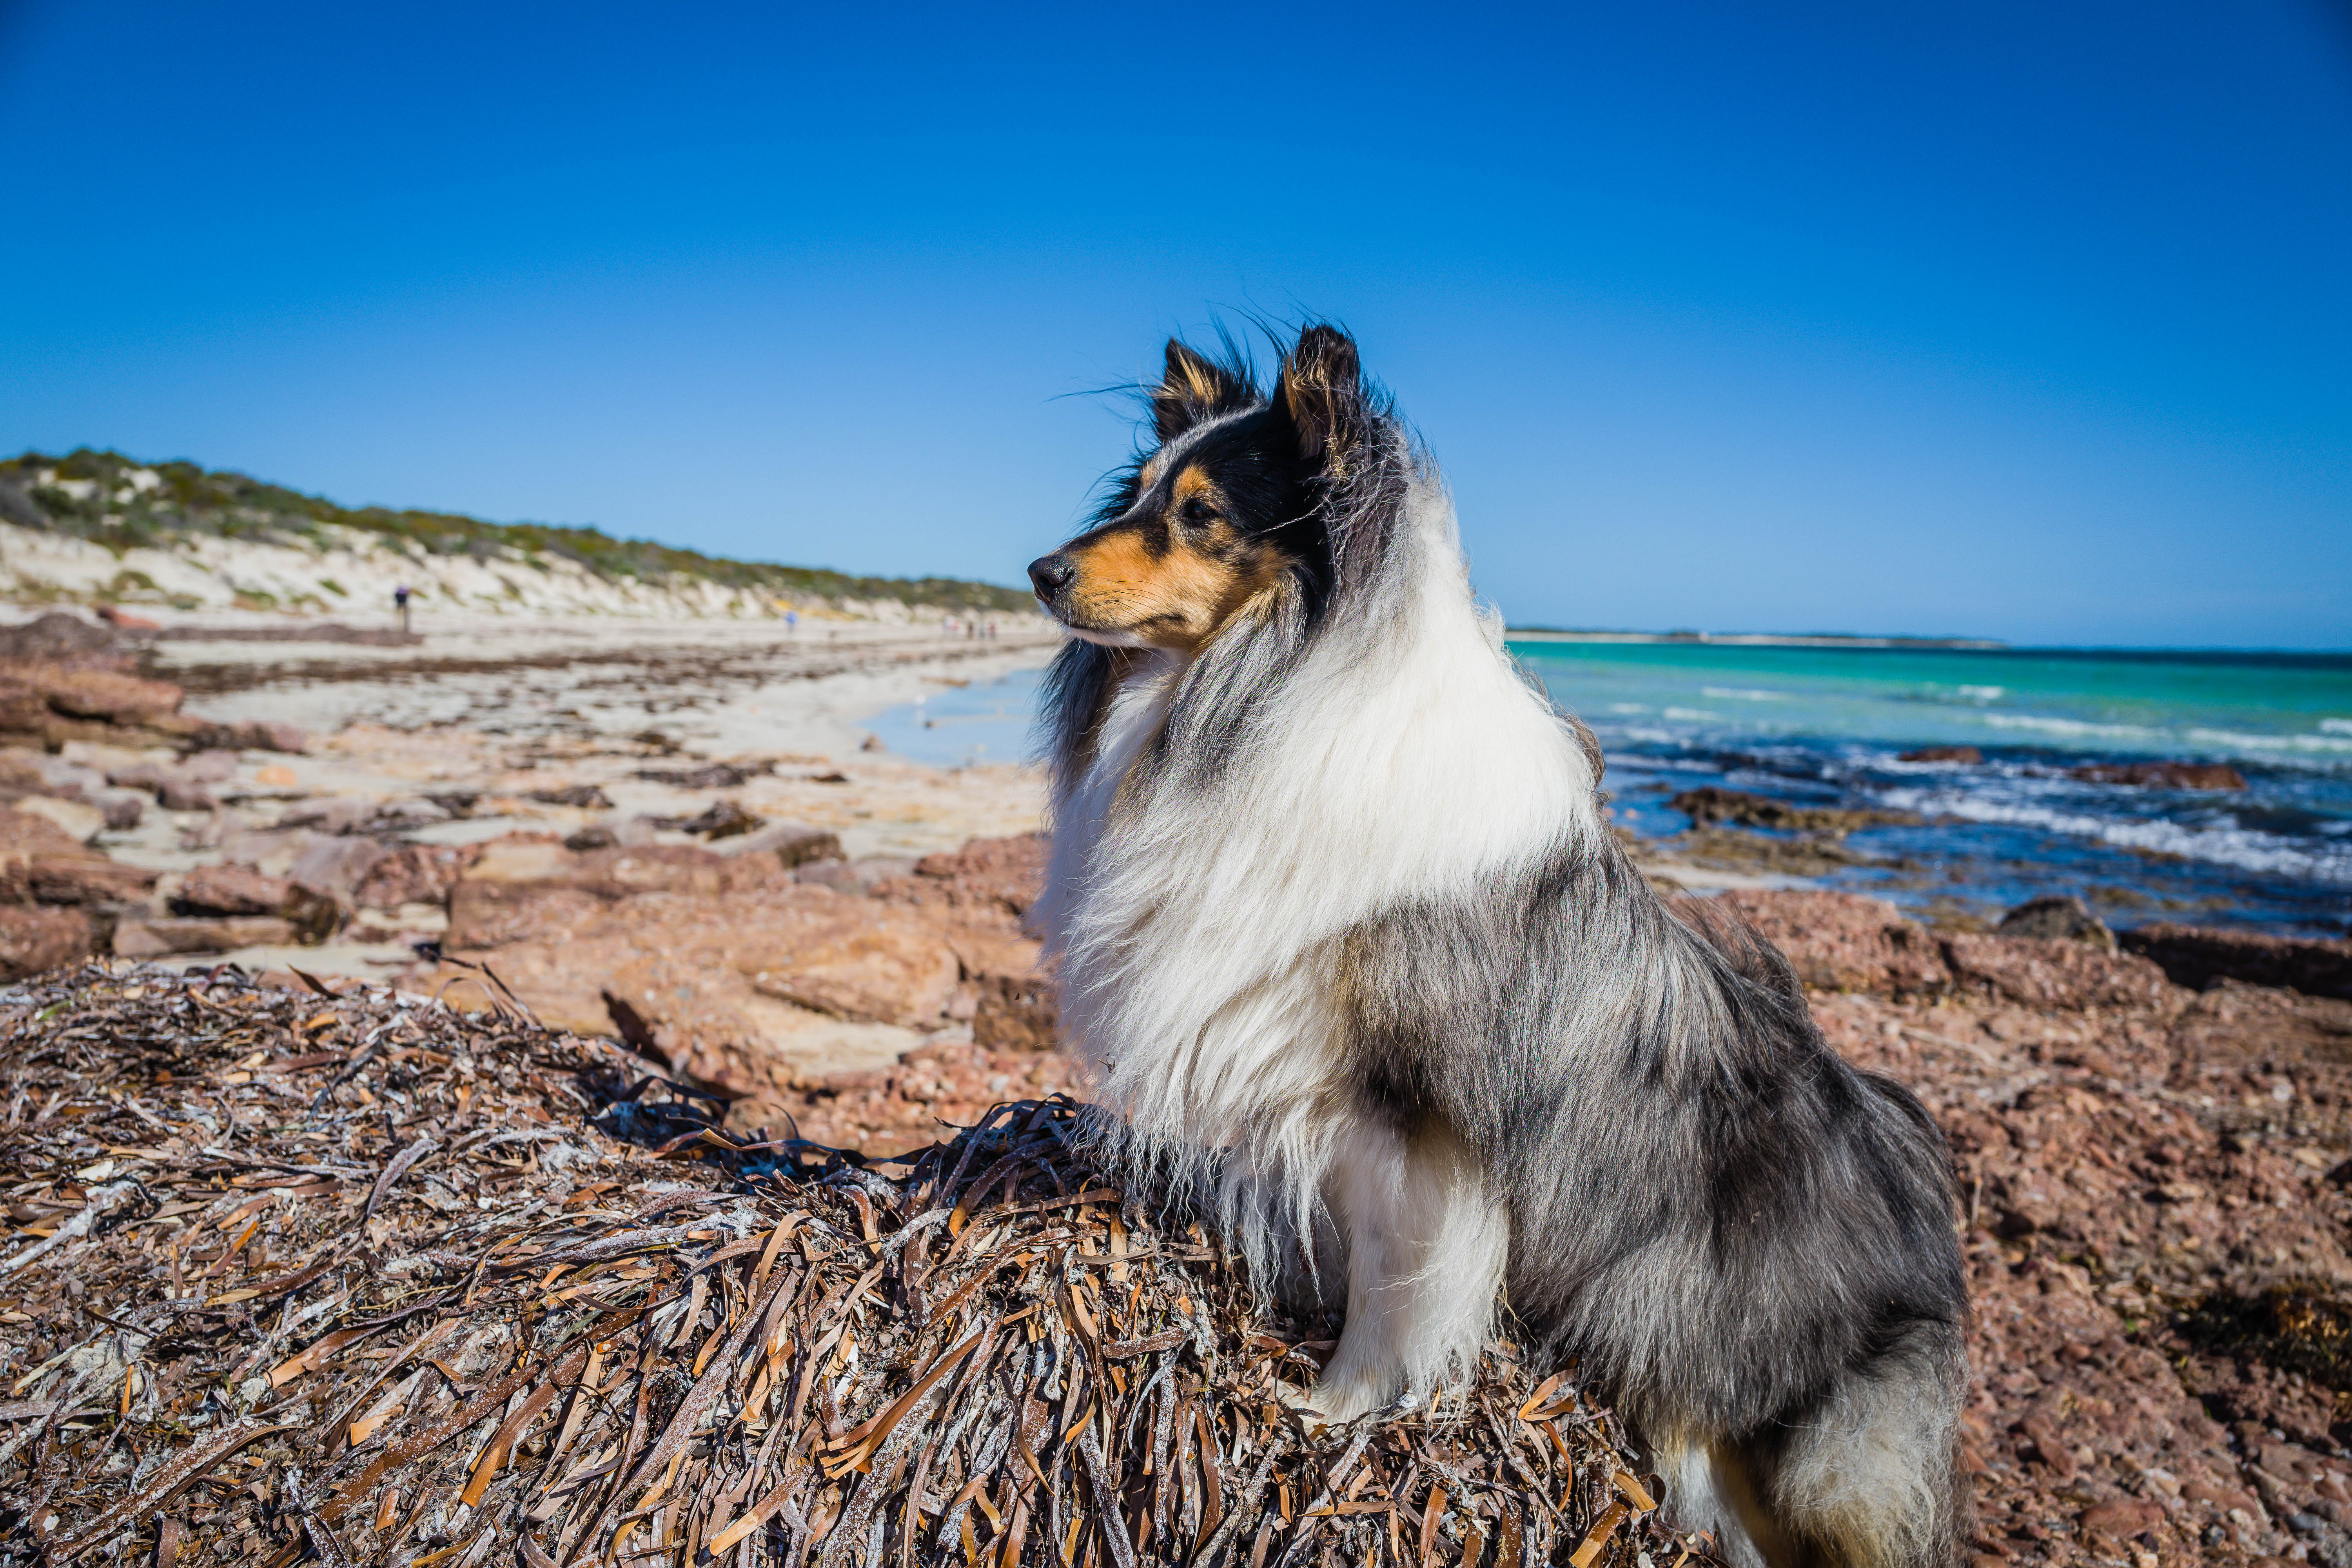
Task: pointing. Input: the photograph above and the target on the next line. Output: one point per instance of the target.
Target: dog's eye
(1198, 511)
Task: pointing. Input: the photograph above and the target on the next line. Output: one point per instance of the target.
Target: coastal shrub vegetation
(121, 503)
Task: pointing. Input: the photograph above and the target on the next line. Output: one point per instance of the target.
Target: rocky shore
(2153, 1173)
(2153, 1137)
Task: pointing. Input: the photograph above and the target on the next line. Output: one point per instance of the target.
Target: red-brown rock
(333, 867)
(88, 879)
(41, 863)
(172, 788)
(230, 890)
(848, 957)
(2196, 956)
(931, 1089)
(58, 636)
(1842, 942)
(25, 838)
(724, 963)
(2124, 1517)
(155, 937)
(996, 875)
(521, 888)
(102, 694)
(416, 874)
(22, 709)
(255, 736)
(790, 844)
(1015, 1014)
(2162, 776)
(34, 940)
(2045, 974)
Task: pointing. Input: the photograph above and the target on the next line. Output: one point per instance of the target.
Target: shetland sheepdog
(1350, 948)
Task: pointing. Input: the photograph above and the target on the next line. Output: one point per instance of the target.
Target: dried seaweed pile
(362, 1278)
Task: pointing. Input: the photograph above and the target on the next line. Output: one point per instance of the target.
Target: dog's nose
(1049, 574)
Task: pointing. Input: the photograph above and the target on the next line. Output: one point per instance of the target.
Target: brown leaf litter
(357, 1275)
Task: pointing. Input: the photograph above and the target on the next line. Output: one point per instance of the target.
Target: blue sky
(2023, 320)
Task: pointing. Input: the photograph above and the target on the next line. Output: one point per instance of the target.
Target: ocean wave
(1628, 708)
(1744, 693)
(2336, 726)
(2072, 727)
(2335, 743)
(1984, 693)
(2246, 849)
(1692, 715)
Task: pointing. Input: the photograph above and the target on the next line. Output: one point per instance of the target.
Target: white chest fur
(1195, 922)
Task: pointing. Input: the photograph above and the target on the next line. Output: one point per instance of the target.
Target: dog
(1349, 946)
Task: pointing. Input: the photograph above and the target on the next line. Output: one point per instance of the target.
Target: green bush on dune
(191, 499)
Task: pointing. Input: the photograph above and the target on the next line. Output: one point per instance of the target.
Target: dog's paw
(1333, 1401)
(1295, 1397)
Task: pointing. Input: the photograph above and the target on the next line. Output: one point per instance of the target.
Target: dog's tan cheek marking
(1123, 586)
(1250, 571)
(1191, 590)
(1181, 599)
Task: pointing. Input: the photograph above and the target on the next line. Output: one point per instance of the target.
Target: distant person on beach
(791, 623)
(400, 603)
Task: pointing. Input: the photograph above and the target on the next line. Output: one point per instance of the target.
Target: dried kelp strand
(406, 1300)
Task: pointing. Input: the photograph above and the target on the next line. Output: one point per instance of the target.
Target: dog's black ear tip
(1326, 345)
(1324, 358)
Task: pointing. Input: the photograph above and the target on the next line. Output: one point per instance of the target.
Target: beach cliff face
(98, 528)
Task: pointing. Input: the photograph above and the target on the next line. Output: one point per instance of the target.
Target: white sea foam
(2219, 845)
(1628, 708)
(1984, 693)
(2341, 744)
(2336, 726)
(1689, 715)
(2072, 727)
(1744, 693)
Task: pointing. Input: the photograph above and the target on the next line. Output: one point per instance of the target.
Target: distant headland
(1750, 639)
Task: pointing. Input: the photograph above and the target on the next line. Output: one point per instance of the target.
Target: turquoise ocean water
(1826, 727)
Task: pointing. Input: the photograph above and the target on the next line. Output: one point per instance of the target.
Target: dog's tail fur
(1865, 1475)
(1863, 1478)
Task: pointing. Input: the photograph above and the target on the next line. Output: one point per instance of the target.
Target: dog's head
(1226, 512)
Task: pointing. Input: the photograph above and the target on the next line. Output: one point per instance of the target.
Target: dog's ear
(1322, 394)
(1194, 388)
